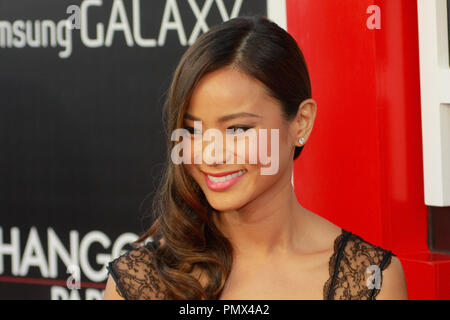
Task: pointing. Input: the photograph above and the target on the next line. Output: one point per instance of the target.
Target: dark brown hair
(181, 213)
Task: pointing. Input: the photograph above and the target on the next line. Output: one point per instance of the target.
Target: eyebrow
(227, 117)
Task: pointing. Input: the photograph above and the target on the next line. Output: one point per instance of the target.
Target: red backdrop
(362, 166)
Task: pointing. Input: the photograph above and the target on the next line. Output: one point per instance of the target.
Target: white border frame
(435, 96)
(276, 11)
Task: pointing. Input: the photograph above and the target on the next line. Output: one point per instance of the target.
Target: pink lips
(222, 185)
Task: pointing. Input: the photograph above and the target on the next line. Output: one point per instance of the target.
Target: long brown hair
(181, 213)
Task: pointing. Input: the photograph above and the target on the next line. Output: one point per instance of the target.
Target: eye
(192, 130)
(237, 129)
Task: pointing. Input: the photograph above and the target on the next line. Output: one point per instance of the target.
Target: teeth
(225, 178)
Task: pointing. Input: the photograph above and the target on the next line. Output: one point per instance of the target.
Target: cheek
(193, 172)
(286, 145)
(262, 149)
(273, 148)
(254, 148)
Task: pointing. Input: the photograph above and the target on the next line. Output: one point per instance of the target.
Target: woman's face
(229, 99)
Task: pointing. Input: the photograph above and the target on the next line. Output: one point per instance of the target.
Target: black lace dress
(355, 269)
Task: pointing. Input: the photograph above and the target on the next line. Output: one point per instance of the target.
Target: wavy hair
(181, 213)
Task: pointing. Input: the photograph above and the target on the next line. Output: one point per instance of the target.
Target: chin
(225, 202)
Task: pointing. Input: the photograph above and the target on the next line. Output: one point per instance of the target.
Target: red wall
(362, 165)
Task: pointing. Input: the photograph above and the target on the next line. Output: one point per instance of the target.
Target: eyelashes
(231, 130)
(238, 129)
(191, 130)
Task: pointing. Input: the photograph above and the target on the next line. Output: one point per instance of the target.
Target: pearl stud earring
(301, 141)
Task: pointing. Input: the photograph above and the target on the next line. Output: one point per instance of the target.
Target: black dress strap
(111, 270)
(135, 274)
(342, 239)
(355, 269)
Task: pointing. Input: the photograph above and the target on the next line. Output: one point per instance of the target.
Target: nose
(215, 151)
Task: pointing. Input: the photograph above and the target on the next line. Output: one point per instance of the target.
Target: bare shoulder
(394, 282)
(111, 290)
(323, 232)
(357, 259)
(380, 270)
(133, 276)
(383, 267)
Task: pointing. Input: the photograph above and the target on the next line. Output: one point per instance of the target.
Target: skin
(260, 213)
(274, 237)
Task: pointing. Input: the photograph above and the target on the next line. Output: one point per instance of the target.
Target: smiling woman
(250, 145)
(226, 231)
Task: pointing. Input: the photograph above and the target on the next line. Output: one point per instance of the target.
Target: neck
(271, 224)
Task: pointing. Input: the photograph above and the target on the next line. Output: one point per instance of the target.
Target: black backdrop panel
(81, 133)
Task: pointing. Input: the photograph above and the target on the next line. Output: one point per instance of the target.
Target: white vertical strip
(435, 96)
(276, 11)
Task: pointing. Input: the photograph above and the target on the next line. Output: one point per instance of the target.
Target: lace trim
(135, 275)
(337, 250)
(355, 269)
(350, 277)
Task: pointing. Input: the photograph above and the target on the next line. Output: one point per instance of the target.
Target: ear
(302, 124)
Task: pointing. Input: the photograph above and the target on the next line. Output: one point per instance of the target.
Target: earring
(301, 141)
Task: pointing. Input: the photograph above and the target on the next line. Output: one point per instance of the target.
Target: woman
(226, 231)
